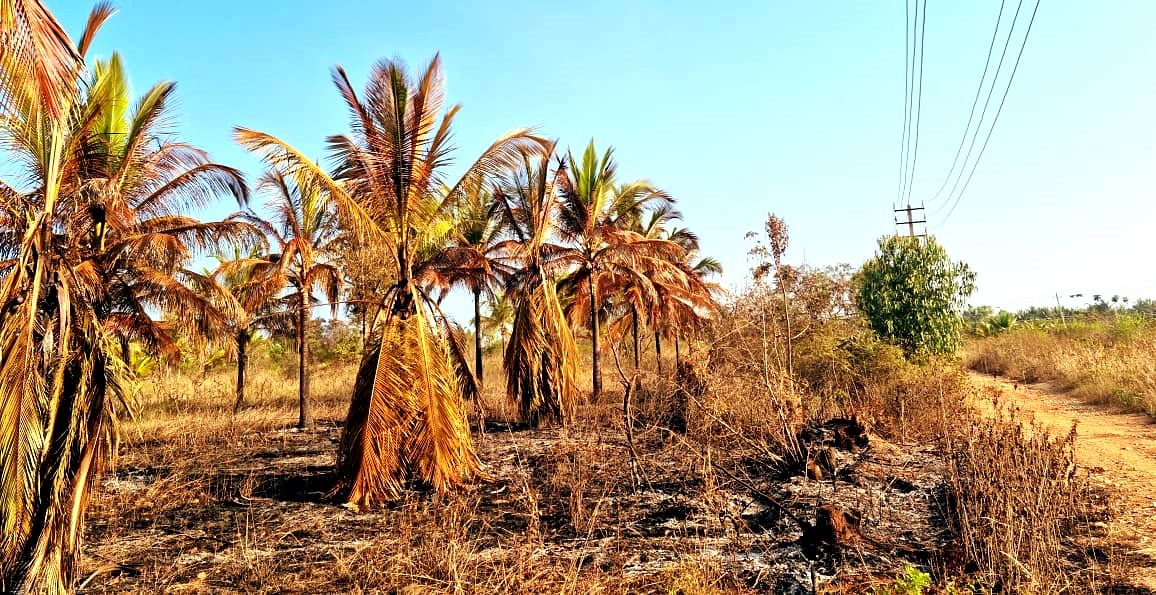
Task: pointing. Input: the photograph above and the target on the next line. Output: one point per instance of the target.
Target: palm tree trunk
(478, 339)
(658, 350)
(596, 372)
(305, 419)
(125, 351)
(634, 321)
(242, 363)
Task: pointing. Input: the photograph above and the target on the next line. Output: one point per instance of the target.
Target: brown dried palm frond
(541, 357)
(38, 62)
(407, 415)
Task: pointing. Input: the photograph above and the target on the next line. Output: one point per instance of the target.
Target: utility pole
(1060, 307)
(911, 222)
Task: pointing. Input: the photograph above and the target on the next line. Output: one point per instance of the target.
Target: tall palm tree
(407, 414)
(541, 356)
(472, 259)
(687, 306)
(304, 230)
(253, 296)
(86, 255)
(652, 225)
(592, 219)
(499, 318)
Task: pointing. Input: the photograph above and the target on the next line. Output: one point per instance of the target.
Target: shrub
(911, 293)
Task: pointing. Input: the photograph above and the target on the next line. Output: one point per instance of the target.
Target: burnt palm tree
(304, 231)
(472, 259)
(499, 318)
(652, 225)
(89, 245)
(593, 221)
(541, 356)
(406, 418)
(253, 296)
(686, 307)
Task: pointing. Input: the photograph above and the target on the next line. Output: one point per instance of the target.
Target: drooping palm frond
(389, 189)
(541, 357)
(407, 415)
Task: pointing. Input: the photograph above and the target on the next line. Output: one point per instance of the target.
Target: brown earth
(1117, 447)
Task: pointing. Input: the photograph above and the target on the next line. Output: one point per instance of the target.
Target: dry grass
(1026, 517)
(1108, 361)
(207, 501)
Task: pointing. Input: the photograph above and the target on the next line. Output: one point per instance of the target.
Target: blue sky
(737, 109)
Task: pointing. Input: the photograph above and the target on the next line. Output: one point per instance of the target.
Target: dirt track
(1118, 448)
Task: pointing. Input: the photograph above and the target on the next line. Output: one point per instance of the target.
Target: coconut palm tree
(86, 256)
(541, 356)
(305, 231)
(253, 296)
(137, 188)
(472, 259)
(691, 304)
(499, 318)
(652, 225)
(406, 418)
(593, 221)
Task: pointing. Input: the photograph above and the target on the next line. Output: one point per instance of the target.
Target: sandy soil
(1117, 447)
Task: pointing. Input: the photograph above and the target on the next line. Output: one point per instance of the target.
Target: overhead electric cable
(986, 104)
(919, 100)
(907, 59)
(974, 103)
(998, 111)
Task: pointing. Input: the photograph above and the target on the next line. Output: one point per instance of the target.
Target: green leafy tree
(911, 294)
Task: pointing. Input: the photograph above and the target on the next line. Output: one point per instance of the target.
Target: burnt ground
(560, 509)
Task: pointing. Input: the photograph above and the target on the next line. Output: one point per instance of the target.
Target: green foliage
(912, 581)
(993, 324)
(911, 294)
(334, 339)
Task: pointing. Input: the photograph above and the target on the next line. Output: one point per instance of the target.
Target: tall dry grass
(169, 399)
(1109, 360)
(737, 403)
(1023, 513)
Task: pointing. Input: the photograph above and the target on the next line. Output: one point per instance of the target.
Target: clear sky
(736, 108)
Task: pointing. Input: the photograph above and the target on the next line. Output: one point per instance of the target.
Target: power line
(906, 75)
(995, 120)
(907, 84)
(974, 102)
(919, 101)
(986, 104)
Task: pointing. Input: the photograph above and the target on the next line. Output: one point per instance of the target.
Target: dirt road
(1118, 448)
